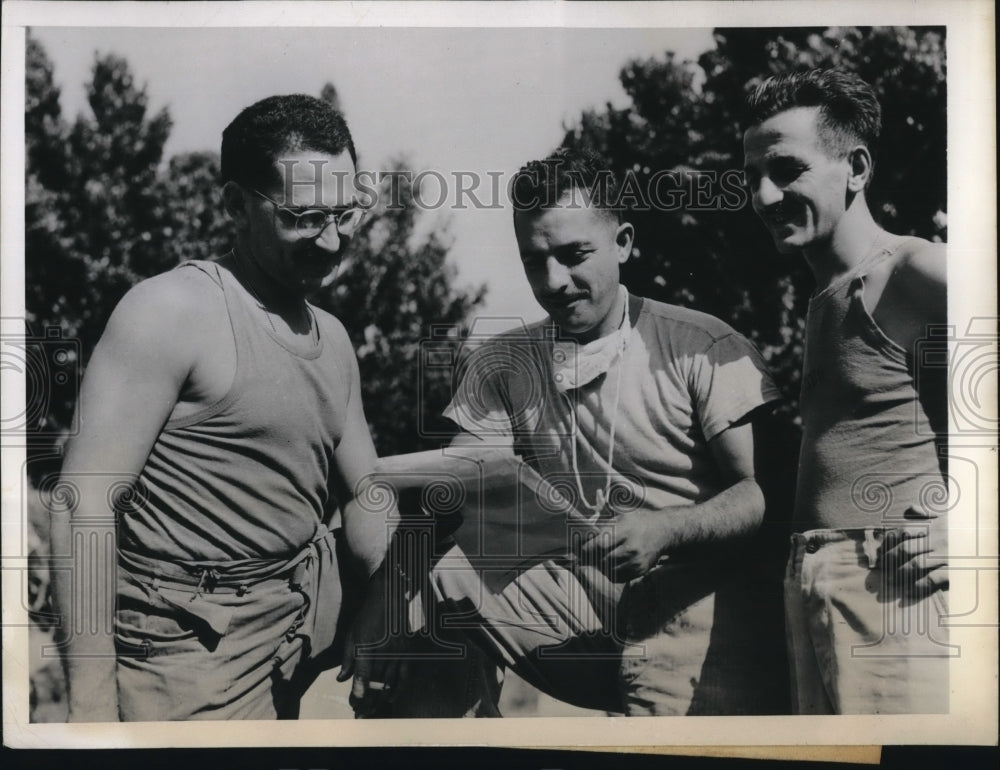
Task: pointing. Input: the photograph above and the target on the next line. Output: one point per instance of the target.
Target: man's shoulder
(338, 339)
(500, 355)
(486, 338)
(694, 325)
(171, 316)
(916, 280)
(922, 261)
(327, 321)
(176, 295)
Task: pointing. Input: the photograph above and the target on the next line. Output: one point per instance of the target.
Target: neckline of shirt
(858, 271)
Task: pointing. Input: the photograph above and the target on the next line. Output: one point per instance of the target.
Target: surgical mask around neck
(575, 365)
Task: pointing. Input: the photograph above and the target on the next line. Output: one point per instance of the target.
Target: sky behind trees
(472, 100)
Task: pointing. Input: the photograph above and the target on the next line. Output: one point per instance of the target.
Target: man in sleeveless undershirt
(866, 584)
(229, 408)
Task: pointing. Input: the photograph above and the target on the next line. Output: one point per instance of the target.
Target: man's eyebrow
(572, 245)
(351, 204)
(569, 245)
(771, 157)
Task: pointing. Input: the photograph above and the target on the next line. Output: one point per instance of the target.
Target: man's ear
(235, 199)
(861, 169)
(624, 237)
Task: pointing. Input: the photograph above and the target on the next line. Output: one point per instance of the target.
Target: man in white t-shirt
(641, 414)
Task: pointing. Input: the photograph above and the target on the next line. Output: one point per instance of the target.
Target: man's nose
(330, 238)
(557, 275)
(766, 194)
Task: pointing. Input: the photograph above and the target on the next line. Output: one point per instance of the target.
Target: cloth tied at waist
(196, 588)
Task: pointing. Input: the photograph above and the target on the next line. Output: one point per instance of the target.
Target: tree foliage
(86, 205)
(189, 204)
(688, 117)
(91, 224)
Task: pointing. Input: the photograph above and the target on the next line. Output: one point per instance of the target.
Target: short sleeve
(729, 380)
(480, 403)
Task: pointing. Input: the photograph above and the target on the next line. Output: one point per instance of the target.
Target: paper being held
(512, 518)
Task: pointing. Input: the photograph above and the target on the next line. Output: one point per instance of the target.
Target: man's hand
(375, 646)
(917, 557)
(628, 545)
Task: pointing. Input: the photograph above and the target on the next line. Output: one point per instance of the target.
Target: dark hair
(849, 112)
(541, 183)
(276, 125)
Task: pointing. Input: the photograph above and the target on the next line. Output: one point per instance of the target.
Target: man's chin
(571, 324)
(786, 247)
(311, 284)
(790, 237)
(788, 244)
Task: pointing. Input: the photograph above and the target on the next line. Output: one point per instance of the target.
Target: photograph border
(972, 300)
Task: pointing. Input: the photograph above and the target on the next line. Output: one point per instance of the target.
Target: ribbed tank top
(868, 450)
(249, 476)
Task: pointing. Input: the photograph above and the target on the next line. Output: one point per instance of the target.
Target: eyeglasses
(310, 221)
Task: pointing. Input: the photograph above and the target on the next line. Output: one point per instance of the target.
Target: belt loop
(206, 580)
(871, 546)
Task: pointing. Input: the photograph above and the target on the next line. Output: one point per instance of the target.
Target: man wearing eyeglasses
(230, 409)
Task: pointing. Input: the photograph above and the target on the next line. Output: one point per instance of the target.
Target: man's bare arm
(735, 511)
(914, 300)
(131, 385)
(370, 519)
(915, 296)
(368, 526)
(639, 538)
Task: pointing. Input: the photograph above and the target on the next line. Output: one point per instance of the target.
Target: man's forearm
(634, 542)
(369, 532)
(732, 513)
(84, 595)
